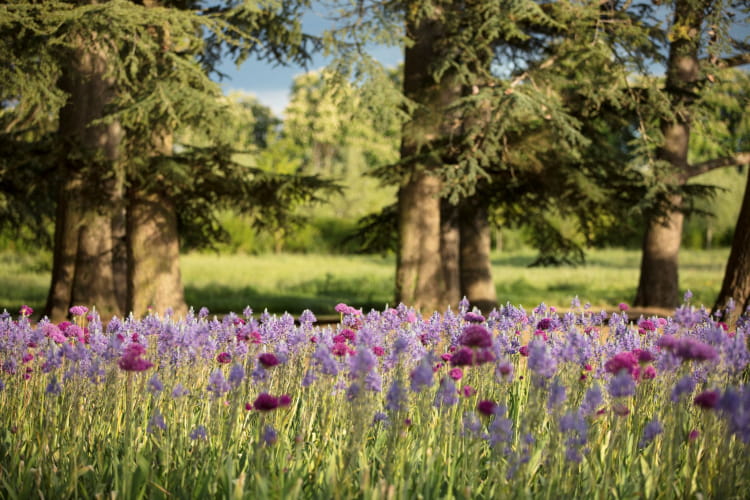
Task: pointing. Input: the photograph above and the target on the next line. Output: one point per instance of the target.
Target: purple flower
(236, 375)
(486, 407)
(621, 385)
(154, 384)
(421, 376)
(462, 357)
(78, 310)
(557, 395)
(623, 361)
(541, 360)
(685, 385)
(217, 383)
(53, 388)
(544, 324)
(396, 397)
(178, 391)
(268, 360)
(475, 336)
(25, 311)
(132, 361)
(269, 435)
(156, 422)
(265, 402)
(707, 399)
(473, 317)
(198, 433)
(650, 431)
(362, 362)
(687, 348)
(446, 393)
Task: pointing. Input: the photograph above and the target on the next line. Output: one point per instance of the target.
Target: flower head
(268, 360)
(78, 310)
(475, 336)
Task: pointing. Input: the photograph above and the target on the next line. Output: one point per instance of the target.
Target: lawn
(294, 282)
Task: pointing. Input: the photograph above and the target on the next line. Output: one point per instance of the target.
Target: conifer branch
(696, 169)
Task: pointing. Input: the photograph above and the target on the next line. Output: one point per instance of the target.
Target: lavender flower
(53, 388)
(217, 384)
(396, 397)
(686, 385)
(621, 385)
(421, 376)
(154, 384)
(198, 433)
(557, 395)
(446, 394)
(541, 361)
(269, 435)
(156, 422)
(650, 431)
(236, 375)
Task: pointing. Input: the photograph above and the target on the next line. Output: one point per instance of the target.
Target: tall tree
(697, 28)
(125, 98)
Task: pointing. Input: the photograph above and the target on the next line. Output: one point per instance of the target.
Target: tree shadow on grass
(318, 295)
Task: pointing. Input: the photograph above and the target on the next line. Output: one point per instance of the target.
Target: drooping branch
(733, 61)
(696, 169)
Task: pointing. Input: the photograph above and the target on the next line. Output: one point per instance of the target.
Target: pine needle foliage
(160, 56)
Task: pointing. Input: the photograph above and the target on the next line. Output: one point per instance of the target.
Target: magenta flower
(475, 336)
(626, 361)
(266, 402)
(622, 306)
(473, 317)
(268, 360)
(25, 310)
(224, 358)
(707, 399)
(378, 351)
(349, 334)
(486, 407)
(132, 361)
(285, 400)
(456, 373)
(462, 357)
(524, 350)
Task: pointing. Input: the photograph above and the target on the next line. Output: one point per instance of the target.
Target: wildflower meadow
(505, 403)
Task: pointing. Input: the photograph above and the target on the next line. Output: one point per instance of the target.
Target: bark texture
(658, 284)
(153, 247)
(476, 267)
(82, 256)
(736, 283)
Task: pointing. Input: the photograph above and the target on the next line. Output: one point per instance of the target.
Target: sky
(271, 84)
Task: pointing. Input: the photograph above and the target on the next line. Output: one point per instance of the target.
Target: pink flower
(224, 358)
(285, 400)
(25, 310)
(348, 334)
(649, 373)
(623, 361)
(623, 306)
(524, 350)
(132, 361)
(456, 373)
(378, 351)
(468, 391)
(78, 310)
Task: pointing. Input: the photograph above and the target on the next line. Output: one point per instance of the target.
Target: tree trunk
(658, 285)
(450, 236)
(422, 280)
(476, 267)
(419, 272)
(736, 284)
(154, 281)
(82, 256)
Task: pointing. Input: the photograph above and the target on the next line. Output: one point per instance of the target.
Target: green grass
(292, 282)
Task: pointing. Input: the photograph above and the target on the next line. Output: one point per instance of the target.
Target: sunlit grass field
(294, 282)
